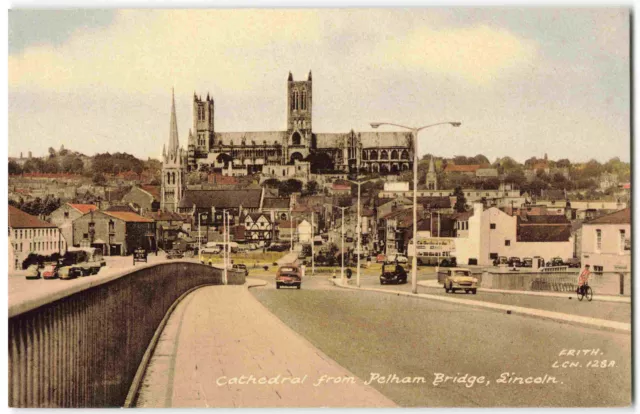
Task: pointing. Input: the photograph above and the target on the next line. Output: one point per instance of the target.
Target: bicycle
(585, 290)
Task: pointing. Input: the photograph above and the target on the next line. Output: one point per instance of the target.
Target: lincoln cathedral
(277, 154)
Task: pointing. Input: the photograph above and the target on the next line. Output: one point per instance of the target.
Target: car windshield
(288, 269)
(461, 273)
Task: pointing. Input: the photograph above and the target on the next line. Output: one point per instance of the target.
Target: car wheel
(446, 289)
(474, 291)
(277, 285)
(466, 291)
(299, 286)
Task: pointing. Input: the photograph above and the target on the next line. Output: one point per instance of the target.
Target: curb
(601, 298)
(603, 324)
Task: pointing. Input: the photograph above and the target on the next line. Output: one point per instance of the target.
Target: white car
(397, 258)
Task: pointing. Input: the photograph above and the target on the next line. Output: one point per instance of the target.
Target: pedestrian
(583, 279)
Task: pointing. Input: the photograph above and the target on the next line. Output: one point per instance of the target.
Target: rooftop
(84, 208)
(128, 216)
(619, 217)
(18, 219)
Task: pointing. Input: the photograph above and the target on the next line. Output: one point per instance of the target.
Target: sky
(523, 81)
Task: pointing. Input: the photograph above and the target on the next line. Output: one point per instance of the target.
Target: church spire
(174, 144)
(432, 167)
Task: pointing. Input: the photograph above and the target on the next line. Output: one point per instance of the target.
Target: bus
(433, 251)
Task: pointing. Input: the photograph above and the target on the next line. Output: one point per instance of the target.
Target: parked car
(501, 261)
(289, 275)
(50, 271)
(241, 267)
(574, 262)
(175, 254)
(277, 247)
(208, 254)
(69, 272)
(397, 258)
(393, 274)
(527, 262)
(33, 272)
(449, 262)
(348, 239)
(556, 261)
(514, 262)
(459, 278)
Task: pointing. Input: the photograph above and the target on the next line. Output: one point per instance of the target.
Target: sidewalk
(604, 298)
(288, 258)
(221, 334)
(518, 310)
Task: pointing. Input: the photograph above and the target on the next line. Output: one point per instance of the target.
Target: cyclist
(583, 279)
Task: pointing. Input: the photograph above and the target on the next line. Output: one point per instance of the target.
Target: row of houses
(481, 235)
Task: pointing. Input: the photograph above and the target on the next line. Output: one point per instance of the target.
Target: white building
(305, 234)
(28, 234)
(606, 242)
(482, 236)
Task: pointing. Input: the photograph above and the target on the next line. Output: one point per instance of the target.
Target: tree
(516, 177)
(51, 166)
(271, 183)
(289, 187)
(99, 179)
(491, 183)
(481, 159)
(563, 163)
(52, 152)
(311, 188)
(461, 200)
(14, 168)
(320, 161)
(536, 186)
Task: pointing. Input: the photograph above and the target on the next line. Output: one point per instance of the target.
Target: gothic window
(384, 155)
(304, 100)
(384, 169)
(295, 139)
(295, 100)
(394, 155)
(374, 155)
(405, 155)
(168, 178)
(365, 156)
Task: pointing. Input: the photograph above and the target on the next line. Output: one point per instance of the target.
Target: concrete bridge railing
(83, 348)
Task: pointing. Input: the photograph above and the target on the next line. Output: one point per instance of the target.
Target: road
(372, 333)
(614, 311)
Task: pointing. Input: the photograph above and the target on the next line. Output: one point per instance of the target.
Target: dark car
(527, 262)
(449, 262)
(289, 275)
(393, 274)
(241, 267)
(514, 262)
(556, 261)
(573, 262)
(502, 260)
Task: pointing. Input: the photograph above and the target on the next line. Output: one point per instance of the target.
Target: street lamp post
(342, 246)
(225, 244)
(359, 231)
(414, 133)
(313, 263)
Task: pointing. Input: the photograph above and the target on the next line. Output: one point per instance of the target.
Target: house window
(507, 242)
(622, 240)
(493, 256)
(66, 214)
(112, 226)
(598, 269)
(598, 239)
(85, 235)
(492, 226)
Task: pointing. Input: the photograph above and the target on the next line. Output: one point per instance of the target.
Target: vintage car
(289, 275)
(527, 262)
(501, 261)
(573, 262)
(175, 254)
(208, 255)
(458, 278)
(69, 272)
(33, 272)
(50, 271)
(393, 274)
(241, 267)
(556, 261)
(514, 262)
(397, 258)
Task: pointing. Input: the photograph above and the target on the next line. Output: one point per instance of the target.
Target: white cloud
(478, 54)
(144, 51)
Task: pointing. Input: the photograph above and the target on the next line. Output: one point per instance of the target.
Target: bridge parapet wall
(82, 348)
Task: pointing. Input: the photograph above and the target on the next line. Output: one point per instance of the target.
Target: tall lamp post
(414, 133)
(359, 231)
(342, 247)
